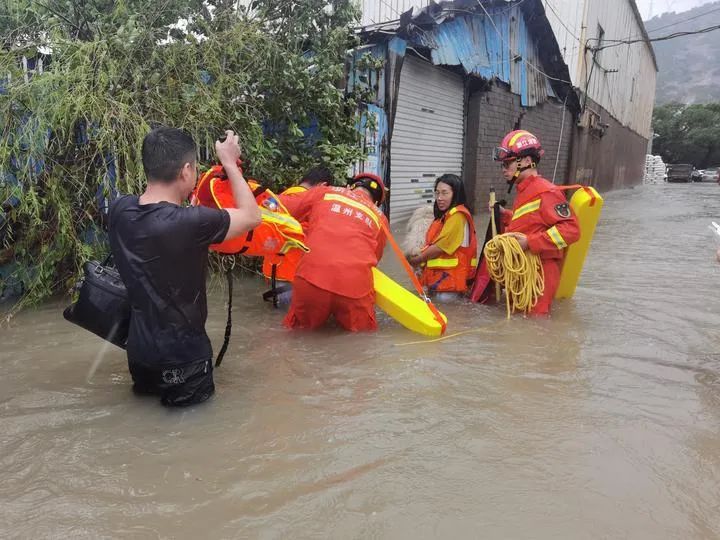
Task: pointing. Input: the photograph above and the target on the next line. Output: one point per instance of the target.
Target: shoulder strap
(228, 325)
(109, 260)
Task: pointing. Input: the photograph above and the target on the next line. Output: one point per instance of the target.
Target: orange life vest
(277, 234)
(285, 265)
(450, 273)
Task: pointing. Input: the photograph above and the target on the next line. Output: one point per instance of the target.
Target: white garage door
(427, 139)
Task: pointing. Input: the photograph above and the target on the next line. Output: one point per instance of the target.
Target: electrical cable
(514, 53)
(618, 42)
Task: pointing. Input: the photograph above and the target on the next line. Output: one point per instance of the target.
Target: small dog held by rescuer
(416, 230)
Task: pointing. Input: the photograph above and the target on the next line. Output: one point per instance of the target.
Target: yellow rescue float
(409, 310)
(587, 205)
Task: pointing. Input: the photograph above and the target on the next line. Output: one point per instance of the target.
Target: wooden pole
(493, 226)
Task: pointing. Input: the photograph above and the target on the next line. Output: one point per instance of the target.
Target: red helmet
(518, 144)
(373, 183)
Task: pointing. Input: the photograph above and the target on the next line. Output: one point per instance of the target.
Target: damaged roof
(512, 43)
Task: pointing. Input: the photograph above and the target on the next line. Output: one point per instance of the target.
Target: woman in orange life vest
(449, 258)
(287, 264)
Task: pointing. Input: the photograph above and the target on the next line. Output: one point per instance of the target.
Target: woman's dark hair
(458, 189)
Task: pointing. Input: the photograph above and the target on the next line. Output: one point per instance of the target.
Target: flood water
(603, 422)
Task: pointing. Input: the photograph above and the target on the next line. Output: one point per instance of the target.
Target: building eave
(644, 33)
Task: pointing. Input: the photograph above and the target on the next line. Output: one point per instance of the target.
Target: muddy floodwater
(603, 422)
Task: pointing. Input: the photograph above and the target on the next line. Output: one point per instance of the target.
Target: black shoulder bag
(103, 307)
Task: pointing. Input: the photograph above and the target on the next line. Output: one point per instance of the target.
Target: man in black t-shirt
(160, 249)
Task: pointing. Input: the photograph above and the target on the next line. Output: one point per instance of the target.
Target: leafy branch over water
(71, 136)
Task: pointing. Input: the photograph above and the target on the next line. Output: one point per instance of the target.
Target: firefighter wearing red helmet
(346, 240)
(372, 183)
(541, 218)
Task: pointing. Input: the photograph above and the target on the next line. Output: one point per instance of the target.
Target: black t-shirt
(161, 252)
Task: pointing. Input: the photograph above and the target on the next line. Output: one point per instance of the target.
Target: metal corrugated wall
(379, 11)
(628, 93)
(495, 45)
(428, 134)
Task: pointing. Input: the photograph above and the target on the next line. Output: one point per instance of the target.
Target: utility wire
(392, 8)
(577, 42)
(560, 20)
(684, 20)
(618, 42)
(514, 53)
(492, 22)
(562, 129)
(613, 111)
(641, 38)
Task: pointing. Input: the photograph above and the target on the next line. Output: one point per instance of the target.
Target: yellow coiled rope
(520, 272)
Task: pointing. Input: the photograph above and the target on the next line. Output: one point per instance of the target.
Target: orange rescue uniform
(286, 264)
(541, 212)
(346, 240)
(454, 233)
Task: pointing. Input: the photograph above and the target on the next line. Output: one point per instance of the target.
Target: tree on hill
(688, 134)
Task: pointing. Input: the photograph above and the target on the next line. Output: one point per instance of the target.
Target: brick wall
(491, 114)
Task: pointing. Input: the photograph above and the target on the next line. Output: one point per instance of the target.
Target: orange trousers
(482, 291)
(551, 269)
(312, 306)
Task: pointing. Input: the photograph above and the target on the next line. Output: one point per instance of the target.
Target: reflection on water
(600, 423)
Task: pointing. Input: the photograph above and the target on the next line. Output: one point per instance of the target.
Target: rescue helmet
(518, 144)
(373, 183)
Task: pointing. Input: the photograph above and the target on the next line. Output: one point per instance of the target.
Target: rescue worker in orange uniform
(449, 258)
(346, 240)
(541, 219)
(281, 276)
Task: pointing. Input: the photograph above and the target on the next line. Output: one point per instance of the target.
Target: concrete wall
(614, 161)
(491, 114)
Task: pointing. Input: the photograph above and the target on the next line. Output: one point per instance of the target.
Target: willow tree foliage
(272, 70)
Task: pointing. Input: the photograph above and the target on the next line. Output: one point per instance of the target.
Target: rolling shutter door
(428, 134)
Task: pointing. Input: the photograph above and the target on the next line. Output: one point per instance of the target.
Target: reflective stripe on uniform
(526, 209)
(355, 204)
(443, 263)
(556, 237)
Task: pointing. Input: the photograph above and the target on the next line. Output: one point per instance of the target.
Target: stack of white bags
(654, 170)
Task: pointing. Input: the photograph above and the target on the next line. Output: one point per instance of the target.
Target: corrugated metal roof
(498, 47)
(495, 43)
